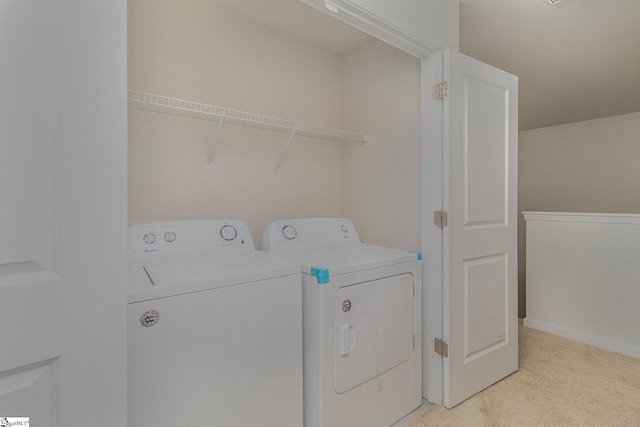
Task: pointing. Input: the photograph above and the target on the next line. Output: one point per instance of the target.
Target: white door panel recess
(473, 287)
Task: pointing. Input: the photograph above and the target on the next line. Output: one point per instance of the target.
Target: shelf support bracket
(293, 133)
(215, 141)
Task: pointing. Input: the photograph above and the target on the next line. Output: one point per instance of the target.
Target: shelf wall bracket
(215, 141)
(293, 133)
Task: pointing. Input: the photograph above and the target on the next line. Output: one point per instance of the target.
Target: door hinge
(440, 219)
(441, 347)
(440, 90)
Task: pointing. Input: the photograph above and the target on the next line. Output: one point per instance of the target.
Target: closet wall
(381, 179)
(197, 50)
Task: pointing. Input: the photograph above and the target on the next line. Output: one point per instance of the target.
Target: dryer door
(373, 329)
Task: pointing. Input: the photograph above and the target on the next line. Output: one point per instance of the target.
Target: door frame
(432, 238)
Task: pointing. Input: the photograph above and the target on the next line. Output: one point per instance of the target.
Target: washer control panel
(174, 239)
(308, 233)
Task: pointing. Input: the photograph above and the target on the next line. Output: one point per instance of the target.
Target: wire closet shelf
(180, 107)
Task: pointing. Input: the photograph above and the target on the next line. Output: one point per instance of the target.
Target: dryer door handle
(346, 339)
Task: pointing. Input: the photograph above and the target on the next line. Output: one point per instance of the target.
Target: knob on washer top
(149, 238)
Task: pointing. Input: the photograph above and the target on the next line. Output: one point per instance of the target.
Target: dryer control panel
(178, 239)
(308, 233)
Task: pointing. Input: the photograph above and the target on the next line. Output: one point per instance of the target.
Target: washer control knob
(169, 236)
(289, 232)
(228, 232)
(344, 228)
(149, 238)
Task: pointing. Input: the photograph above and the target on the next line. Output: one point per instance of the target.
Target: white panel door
(478, 270)
(63, 212)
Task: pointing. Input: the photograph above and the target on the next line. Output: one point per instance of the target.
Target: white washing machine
(214, 328)
(361, 323)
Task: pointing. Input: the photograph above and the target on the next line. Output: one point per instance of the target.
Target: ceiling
(300, 21)
(577, 60)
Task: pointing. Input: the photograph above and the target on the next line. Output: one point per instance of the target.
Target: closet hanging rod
(180, 107)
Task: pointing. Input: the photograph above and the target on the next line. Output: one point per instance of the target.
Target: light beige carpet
(560, 383)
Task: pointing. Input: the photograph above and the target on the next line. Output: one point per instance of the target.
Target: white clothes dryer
(361, 323)
(214, 328)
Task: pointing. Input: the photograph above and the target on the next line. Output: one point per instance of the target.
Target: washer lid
(163, 279)
(350, 258)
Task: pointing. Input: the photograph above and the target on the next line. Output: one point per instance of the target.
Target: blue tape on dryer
(321, 275)
(419, 254)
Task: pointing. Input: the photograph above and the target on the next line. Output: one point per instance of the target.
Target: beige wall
(381, 186)
(589, 166)
(195, 50)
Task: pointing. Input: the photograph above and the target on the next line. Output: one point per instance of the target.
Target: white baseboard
(582, 337)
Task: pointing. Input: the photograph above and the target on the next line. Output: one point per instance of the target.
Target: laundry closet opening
(284, 60)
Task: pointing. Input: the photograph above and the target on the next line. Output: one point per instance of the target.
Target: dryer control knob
(170, 236)
(289, 232)
(228, 232)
